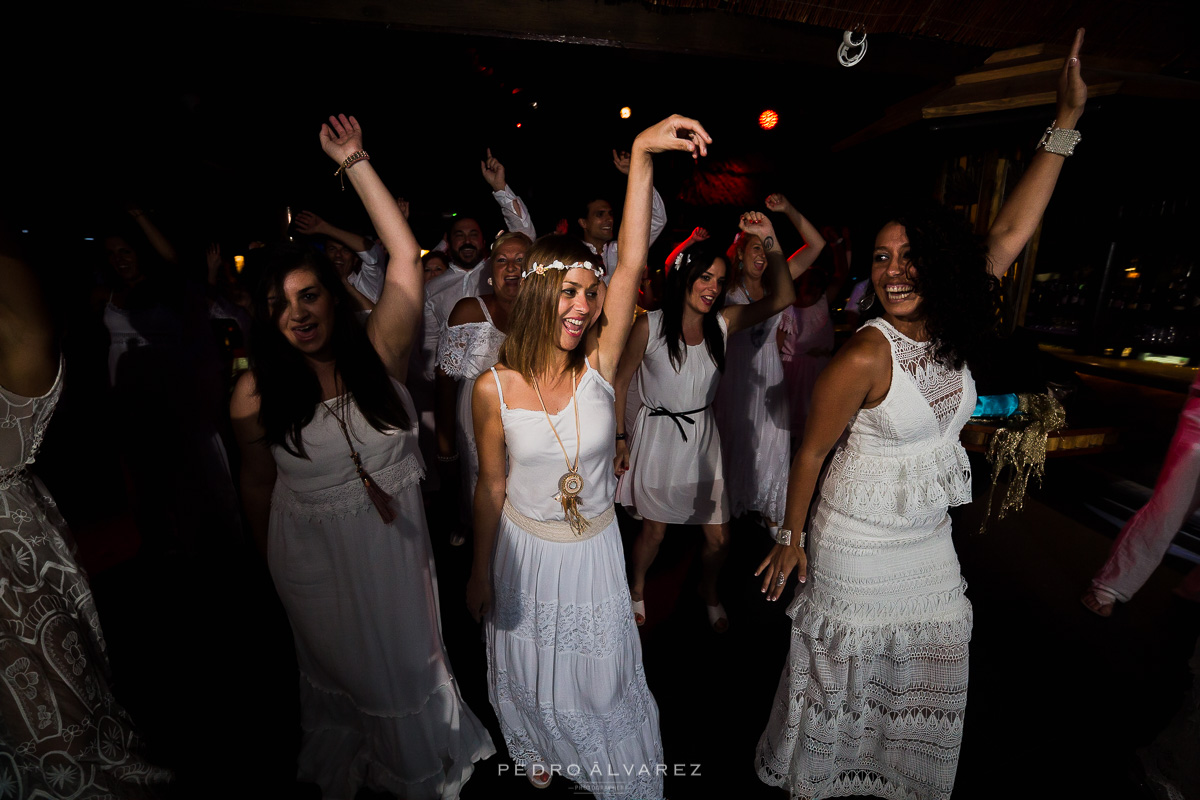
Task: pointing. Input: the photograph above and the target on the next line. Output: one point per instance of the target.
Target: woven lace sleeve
(453, 347)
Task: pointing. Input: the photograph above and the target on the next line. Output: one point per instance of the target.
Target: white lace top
(466, 351)
(903, 456)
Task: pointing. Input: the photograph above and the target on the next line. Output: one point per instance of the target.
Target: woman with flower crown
(564, 660)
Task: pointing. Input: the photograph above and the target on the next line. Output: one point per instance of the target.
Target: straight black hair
(694, 262)
(288, 388)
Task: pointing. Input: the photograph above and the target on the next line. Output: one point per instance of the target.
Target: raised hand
(755, 223)
(1072, 91)
(674, 133)
(340, 137)
(621, 161)
(403, 205)
(493, 172)
(562, 227)
(698, 235)
(308, 223)
(212, 258)
(778, 203)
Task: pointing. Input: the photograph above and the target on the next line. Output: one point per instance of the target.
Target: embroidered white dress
(871, 700)
(464, 353)
(62, 733)
(379, 703)
(754, 419)
(675, 472)
(564, 658)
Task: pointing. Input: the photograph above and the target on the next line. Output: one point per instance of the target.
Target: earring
(867, 301)
(489, 281)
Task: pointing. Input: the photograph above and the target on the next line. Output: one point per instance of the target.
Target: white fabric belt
(557, 530)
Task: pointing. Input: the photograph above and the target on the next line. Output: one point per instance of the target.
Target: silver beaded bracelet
(1060, 141)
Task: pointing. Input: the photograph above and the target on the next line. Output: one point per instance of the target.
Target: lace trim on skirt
(868, 485)
(348, 499)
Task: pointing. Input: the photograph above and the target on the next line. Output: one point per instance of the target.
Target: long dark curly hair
(696, 260)
(959, 295)
(288, 388)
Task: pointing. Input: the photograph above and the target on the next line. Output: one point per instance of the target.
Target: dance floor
(1060, 700)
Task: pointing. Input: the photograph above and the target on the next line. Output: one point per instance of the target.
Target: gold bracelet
(351, 160)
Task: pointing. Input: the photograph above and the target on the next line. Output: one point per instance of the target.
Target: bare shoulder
(867, 355)
(245, 402)
(466, 311)
(486, 390)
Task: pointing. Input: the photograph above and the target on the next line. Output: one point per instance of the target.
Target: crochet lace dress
(62, 733)
(872, 697)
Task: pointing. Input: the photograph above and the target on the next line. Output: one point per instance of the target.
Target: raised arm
(157, 240)
(394, 324)
(516, 215)
(860, 374)
(1018, 218)
(814, 243)
(675, 133)
(635, 351)
(698, 235)
(780, 292)
(28, 349)
(310, 224)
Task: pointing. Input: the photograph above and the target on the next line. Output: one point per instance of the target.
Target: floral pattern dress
(62, 733)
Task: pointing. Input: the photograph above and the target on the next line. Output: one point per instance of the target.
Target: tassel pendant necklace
(571, 483)
(378, 497)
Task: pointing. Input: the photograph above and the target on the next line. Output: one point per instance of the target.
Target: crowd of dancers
(522, 379)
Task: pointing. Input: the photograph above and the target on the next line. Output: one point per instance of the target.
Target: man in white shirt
(467, 275)
(597, 224)
(356, 258)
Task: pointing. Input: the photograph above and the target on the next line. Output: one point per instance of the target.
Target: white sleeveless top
(903, 457)
(536, 461)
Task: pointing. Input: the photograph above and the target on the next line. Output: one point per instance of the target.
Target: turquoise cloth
(996, 405)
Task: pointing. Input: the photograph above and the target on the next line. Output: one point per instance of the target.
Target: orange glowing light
(239, 262)
(625, 112)
(768, 120)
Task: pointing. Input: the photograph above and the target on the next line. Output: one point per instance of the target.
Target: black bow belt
(676, 416)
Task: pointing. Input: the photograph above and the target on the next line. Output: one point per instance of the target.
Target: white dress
(675, 472)
(872, 698)
(565, 669)
(806, 351)
(754, 419)
(62, 733)
(464, 353)
(380, 706)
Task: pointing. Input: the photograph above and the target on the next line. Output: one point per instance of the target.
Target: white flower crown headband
(540, 269)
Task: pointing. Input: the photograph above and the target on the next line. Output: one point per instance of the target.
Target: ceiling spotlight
(768, 120)
(625, 112)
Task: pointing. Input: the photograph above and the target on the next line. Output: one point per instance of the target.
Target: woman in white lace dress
(565, 672)
(873, 695)
(62, 733)
(330, 471)
(468, 347)
(674, 475)
(752, 403)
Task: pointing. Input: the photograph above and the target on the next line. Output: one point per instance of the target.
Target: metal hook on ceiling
(845, 56)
